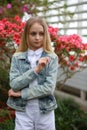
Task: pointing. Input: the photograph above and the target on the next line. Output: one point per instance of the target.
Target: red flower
(11, 29)
(81, 59)
(72, 68)
(72, 58)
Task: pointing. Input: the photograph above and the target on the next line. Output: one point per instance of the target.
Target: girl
(33, 77)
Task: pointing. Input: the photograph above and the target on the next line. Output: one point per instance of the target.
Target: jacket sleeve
(19, 81)
(47, 87)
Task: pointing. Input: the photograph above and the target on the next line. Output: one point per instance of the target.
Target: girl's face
(36, 36)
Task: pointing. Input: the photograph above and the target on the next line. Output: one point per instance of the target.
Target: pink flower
(52, 31)
(1, 10)
(25, 8)
(9, 6)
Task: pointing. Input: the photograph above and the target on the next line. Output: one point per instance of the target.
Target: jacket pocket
(48, 103)
(16, 103)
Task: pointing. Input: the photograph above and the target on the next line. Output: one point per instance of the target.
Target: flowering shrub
(10, 34)
(11, 29)
(70, 49)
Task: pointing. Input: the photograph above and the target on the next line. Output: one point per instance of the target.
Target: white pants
(32, 119)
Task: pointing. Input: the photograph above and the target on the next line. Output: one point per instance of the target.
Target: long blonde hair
(25, 36)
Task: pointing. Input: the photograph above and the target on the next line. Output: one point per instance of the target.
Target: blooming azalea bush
(11, 29)
(71, 50)
(10, 34)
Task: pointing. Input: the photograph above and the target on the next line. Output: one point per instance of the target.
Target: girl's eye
(33, 33)
(41, 33)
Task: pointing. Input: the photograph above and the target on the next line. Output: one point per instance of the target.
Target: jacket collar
(23, 55)
(36, 52)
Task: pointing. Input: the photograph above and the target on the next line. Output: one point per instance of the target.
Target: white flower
(66, 58)
(85, 53)
(72, 52)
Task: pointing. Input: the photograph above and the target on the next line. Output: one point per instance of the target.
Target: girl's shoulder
(52, 55)
(20, 55)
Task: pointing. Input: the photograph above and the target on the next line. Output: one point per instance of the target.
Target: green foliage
(69, 116)
(7, 124)
(4, 86)
(4, 78)
(6, 2)
(4, 113)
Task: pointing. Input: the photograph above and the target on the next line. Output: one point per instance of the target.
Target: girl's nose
(37, 36)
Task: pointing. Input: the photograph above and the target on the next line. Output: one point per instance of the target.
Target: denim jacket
(21, 74)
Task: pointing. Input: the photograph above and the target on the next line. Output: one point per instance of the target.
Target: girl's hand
(11, 93)
(41, 64)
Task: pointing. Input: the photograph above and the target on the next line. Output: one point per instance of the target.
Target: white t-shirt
(33, 57)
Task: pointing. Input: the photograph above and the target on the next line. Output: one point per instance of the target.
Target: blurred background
(70, 16)
(65, 17)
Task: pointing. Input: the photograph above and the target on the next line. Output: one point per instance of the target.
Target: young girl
(33, 75)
